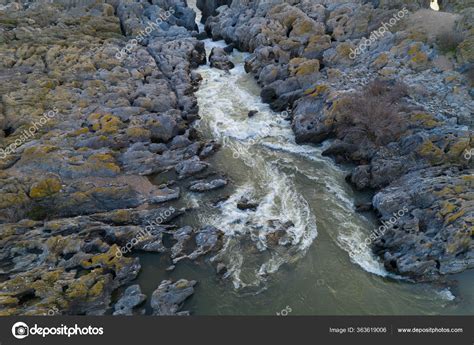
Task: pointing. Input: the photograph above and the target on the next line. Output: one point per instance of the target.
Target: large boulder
(169, 297)
(220, 59)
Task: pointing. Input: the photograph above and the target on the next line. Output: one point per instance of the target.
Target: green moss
(302, 66)
(105, 123)
(468, 178)
(55, 244)
(47, 282)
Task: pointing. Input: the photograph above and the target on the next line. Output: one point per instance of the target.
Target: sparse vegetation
(374, 112)
(448, 41)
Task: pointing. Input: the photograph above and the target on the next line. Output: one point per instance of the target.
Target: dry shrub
(448, 41)
(374, 112)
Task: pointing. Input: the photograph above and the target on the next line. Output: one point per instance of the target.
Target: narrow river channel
(315, 268)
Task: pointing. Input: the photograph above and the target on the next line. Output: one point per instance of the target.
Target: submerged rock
(221, 268)
(190, 167)
(252, 113)
(220, 59)
(169, 297)
(203, 186)
(278, 232)
(245, 204)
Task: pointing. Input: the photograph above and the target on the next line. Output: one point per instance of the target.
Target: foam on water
(224, 104)
(446, 294)
(225, 99)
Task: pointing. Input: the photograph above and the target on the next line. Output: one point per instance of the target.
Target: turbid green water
(318, 271)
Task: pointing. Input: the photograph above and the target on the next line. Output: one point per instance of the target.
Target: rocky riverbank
(113, 82)
(397, 104)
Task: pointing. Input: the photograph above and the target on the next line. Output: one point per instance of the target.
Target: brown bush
(374, 112)
(448, 41)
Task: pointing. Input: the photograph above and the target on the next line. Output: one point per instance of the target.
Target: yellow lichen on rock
(431, 152)
(45, 188)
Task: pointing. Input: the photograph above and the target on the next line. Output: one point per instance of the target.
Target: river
(317, 268)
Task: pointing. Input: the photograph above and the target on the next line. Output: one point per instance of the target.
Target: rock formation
(104, 93)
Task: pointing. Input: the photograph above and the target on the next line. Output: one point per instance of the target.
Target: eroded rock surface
(169, 297)
(95, 97)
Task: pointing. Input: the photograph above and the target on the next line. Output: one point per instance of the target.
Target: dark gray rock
(229, 49)
(204, 186)
(308, 124)
(208, 149)
(220, 59)
(363, 207)
(221, 268)
(131, 298)
(208, 7)
(252, 113)
(246, 204)
(182, 236)
(77, 194)
(169, 297)
(190, 167)
(208, 239)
